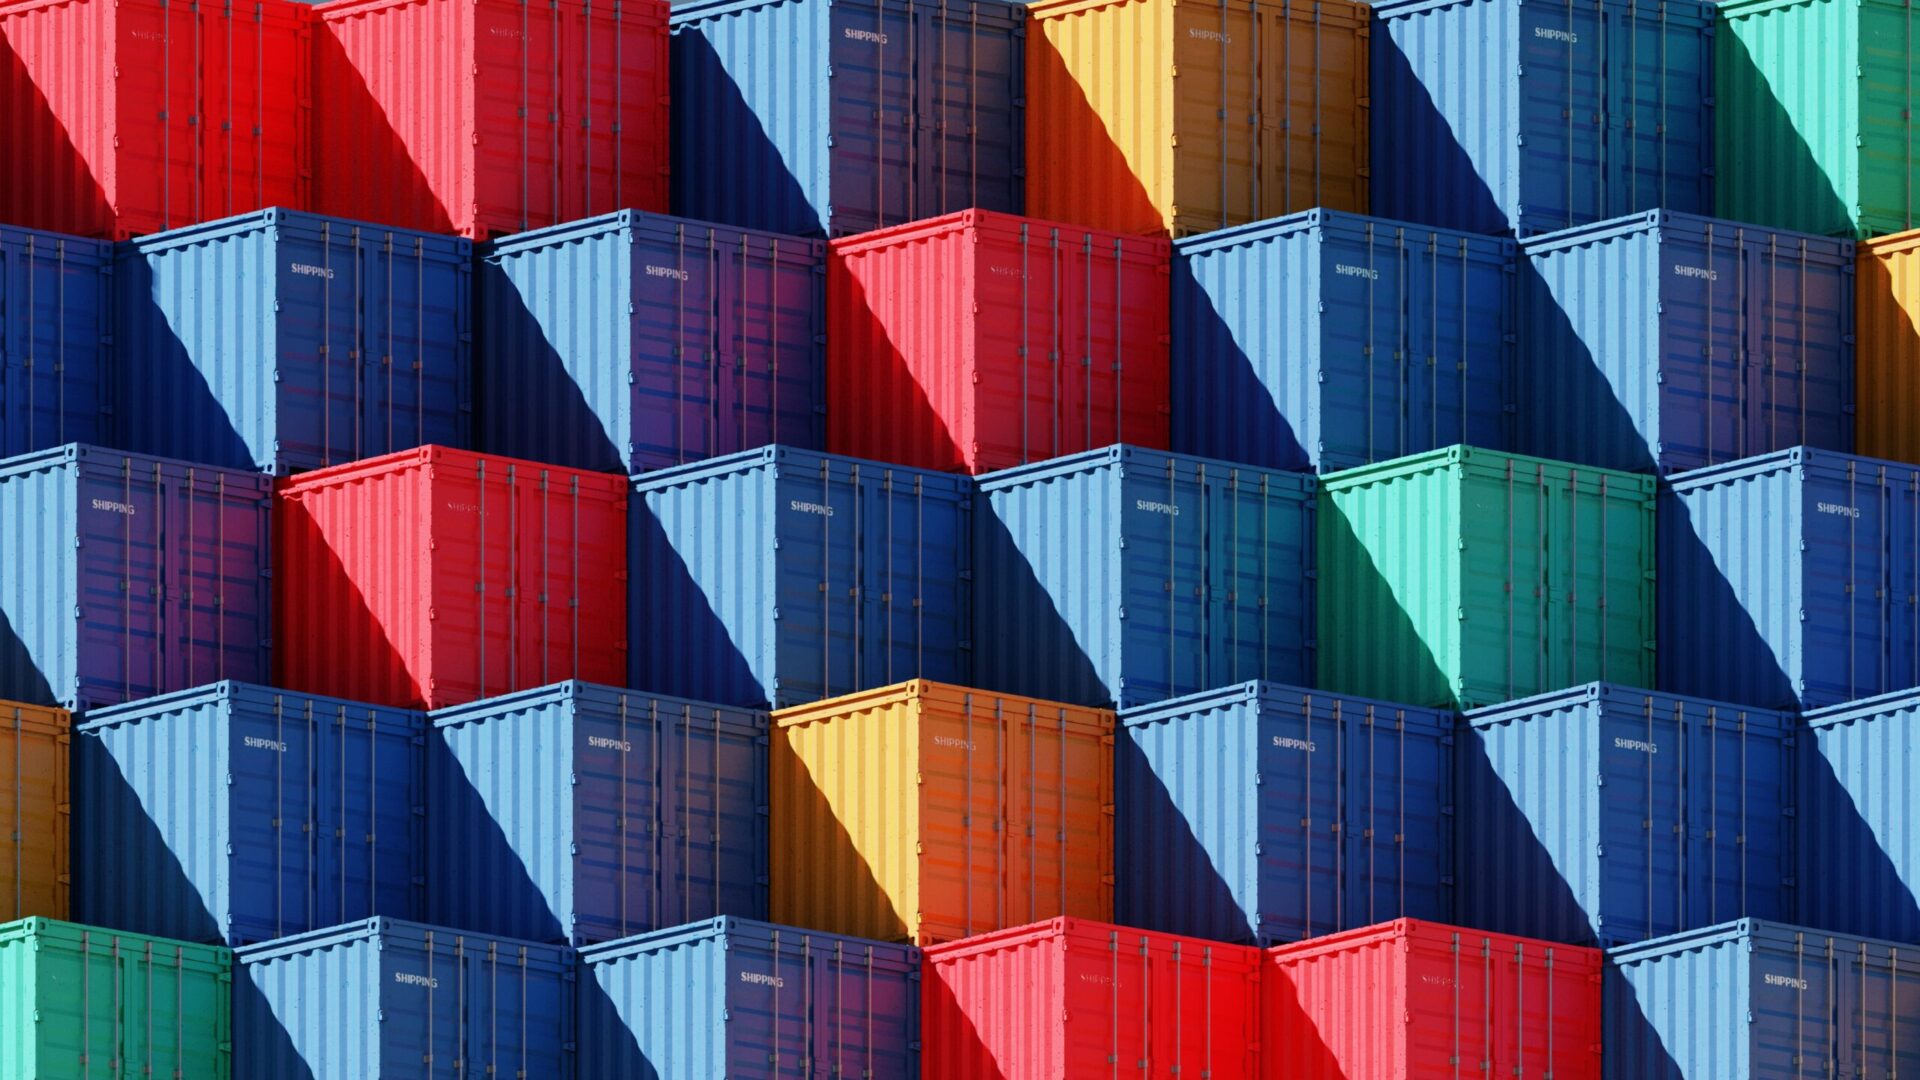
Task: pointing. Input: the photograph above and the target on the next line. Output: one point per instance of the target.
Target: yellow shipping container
(1158, 116)
(1887, 348)
(34, 808)
(924, 812)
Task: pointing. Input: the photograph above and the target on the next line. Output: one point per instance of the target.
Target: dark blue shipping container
(235, 814)
(1665, 342)
(732, 998)
(635, 341)
(123, 576)
(1859, 801)
(580, 813)
(832, 117)
(1607, 815)
(286, 341)
(1267, 814)
(1790, 580)
(1326, 340)
(1501, 116)
(56, 350)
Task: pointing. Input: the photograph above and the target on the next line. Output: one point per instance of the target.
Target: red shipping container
(980, 341)
(127, 117)
(483, 117)
(1410, 1000)
(1068, 998)
(436, 577)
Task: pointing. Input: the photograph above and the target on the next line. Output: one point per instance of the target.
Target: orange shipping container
(1887, 353)
(33, 810)
(924, 812)
(1154, 116)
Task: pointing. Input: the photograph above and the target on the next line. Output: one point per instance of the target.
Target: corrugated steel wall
(57, 360)
(1859, 853)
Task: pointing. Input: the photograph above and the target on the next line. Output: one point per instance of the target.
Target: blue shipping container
(580, 813)
(1326, 340)
(56, 351)
(403, 1001)
(286, 341)
(1607, 815)
(1759, 999)
(123, 576)
(1268, 814)
(1125, 576)
(635, 341)
(832, 117)
(1860, 797)
(235, 813)
(1790, 580)
(732, 998)
(1665, 342)
(1501, 116)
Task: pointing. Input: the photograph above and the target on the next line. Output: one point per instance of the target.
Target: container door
(674, 344)
(122, 536)
(1857, 634)
(1397, 816)
(1903, 579)
(1645, 876)
(1562, 115)
(1659, 69)
(425, 986)
(1739, 790)
(625, 796)
(971, 136)
(712, 785)
(1218, 174)
(1367, 272)
(1059, 814)
(1256, 576)
(275, 770)
(1304, 755)
(1798, 342)
(1795, 987)
(370, 790)
(774, 1004)
(914, 617)
(819, 519)
(52, 388)
(514, 1017)
(414, 380)
(1164, 634)
(1878, 1030)
(863, 1024)
(875, 157)
(1311, 68)
(776, 346)
(1706, 412)
(321, 379)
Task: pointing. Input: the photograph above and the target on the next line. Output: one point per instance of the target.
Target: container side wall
(1859, 854)
(40, 573)
(1889, 354)
(660, 1012)
(57, 361)
(35, 865)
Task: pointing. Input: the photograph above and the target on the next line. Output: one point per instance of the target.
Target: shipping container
(80, 1001)
(233, 813)
(1790, 580)
(579, 813)
(635, 341)
(1070, 999)
(1466, 578)
(1150, 116)
(779, 577)
(834, 117)
(1830, 122)
(35, 742)
(1501, 116)
(1326, 341)
(56, 350)
(403, 1001)
(1604, 815)
(735, 998)
(489, 116)
(1760, 999)
(123, 576)
(435, 577)
(925, 812)
(1888, 357)
(1664, 342)
(1418, 1000)
(1125, 576)
(1266, 814)
(134, 116)
(1859, 854)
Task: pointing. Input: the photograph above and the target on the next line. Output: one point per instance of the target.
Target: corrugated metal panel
(56, 358)
(635, 341)
(1325, 341)
(34, 810)
(1888, 303)
(1859, 851)
(736, 998)
(1665, 342)
(783, 577)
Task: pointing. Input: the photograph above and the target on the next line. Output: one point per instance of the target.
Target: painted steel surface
(35, 808)
(56, 353)
(1859, 863)
(1887, 292)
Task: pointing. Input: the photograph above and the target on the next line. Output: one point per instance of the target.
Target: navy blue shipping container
(635, 341)
(782, 577)
(1267, 814)
(1607, 815)
(733, 998)
(56, 349)
(403, 1001)
(236, 813)
(1859, 801)
(286, 341)
(832, 117)
(123, 576)
(1501, 116)
(1663, 342)
(1791, 580)
(1125, 576)
(1327, 340)
(579, 813)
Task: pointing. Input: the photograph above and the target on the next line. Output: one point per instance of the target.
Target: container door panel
(1739, 849)
(1163, 604)
(1704, 364)
(1256, 553)
(818, 522)
(1397, 820)
(874, 158)
(1111, 333)
(714, 785)
(145, 154)
(273, 788)
(1312, 152)
(509, 1018)
(773, 334)
(1879, 1031)
(915, 622)
(1463, 347)
(416, 388)
(1301, 860)
(970, 133)
(624, 791)
(52, 387)
(861, 1024)
(1902, 597)
(1642, 890)
(368, 786)
(1368, 276)
(1800, 355)
(675, 346)
(774, 1007)
(320, 280)
(1056, 819)
(121, 519)
(1849, 618)
(1794, 994)
(1217, 112)
(1658, 65)
(965, 807)
(563, 531)
(476, 553)
(1562, 116)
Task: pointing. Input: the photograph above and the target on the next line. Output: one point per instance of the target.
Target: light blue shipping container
(1327, 340)
(780, 577)
(286, 341)
(1859, 848)
(734, 998)
(56, 348)
(579, 813)
(1267, 814)
(635, 341)
(403, 1001)
(236, 813)
(1125, 576)
(1663, 342)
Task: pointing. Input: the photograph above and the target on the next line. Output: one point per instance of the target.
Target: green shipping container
(79, 1002)
(1467, 577)
(1812, 99)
